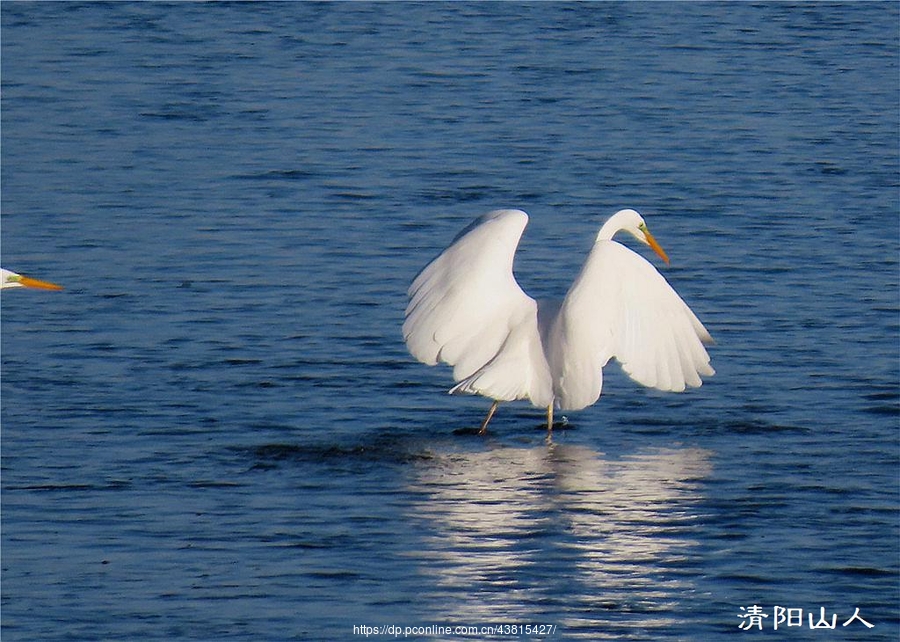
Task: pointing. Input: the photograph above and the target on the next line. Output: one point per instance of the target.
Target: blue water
(215, 431)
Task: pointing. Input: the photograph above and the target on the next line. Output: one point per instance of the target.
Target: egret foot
(488, 418)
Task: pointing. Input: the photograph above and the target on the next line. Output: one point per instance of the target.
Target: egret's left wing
(621, 306)
(467, 310)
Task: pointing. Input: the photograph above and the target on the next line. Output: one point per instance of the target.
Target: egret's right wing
(621, 306)
(467, 310)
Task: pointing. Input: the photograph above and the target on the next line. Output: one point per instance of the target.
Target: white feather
(467, 310)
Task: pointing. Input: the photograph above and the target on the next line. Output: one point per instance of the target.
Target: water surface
(215, 431)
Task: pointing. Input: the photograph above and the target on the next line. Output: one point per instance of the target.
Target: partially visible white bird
(12, 280)
(467, 310)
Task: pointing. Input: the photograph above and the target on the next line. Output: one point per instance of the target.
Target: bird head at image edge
(9, 279)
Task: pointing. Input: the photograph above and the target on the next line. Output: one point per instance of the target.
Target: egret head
(633, 223)
(10, 279)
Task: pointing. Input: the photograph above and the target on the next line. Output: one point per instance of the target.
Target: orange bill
(655, 246)
(28, 282)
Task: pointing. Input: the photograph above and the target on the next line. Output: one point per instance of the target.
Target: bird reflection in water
(510, 529)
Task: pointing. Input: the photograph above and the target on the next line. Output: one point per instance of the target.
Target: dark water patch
(354, 196)
(114, 485)
(883, 403)
(750, 426)
(236, 361)
(460, 195)
(259, 384)
(862, 571)
(659, 425)
(340, 576)
(280, 175)
(202, 483)
(386, 451)
(468, 431)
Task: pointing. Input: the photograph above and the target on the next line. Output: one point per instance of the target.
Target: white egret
(467, 310)
(12, 280)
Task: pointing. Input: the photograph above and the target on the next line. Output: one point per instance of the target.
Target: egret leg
(488, 418)
(550, 418)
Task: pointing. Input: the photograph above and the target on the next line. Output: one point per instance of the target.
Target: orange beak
(28, 282)
(654, 245)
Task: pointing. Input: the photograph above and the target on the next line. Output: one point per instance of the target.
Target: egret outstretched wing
(467, 310)
(621, 306)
